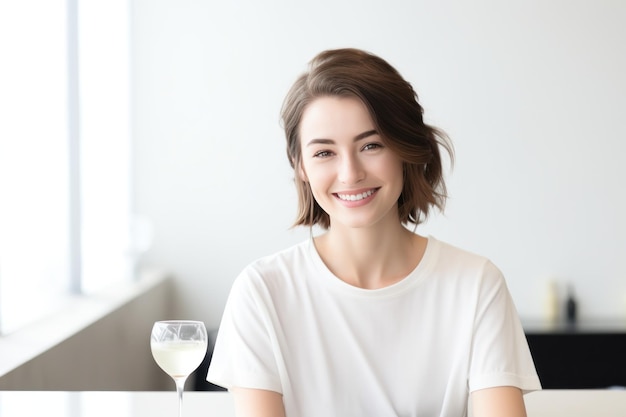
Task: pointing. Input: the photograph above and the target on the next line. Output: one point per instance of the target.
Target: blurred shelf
(587, 354)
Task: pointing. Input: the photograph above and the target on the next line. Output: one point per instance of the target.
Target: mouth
(356, 196)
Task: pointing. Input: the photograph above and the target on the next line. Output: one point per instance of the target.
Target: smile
(356, 197)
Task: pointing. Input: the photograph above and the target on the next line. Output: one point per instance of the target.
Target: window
(64, 153)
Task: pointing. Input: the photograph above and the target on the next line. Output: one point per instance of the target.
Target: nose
(351, 170)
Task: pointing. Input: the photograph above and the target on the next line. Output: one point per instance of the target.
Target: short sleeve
(500, 355)
(244, 355)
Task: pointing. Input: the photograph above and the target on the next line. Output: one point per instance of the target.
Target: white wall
(532, 93)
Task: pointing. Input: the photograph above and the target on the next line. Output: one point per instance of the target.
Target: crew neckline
(415, 277)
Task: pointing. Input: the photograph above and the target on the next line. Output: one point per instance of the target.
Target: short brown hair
(397, 115)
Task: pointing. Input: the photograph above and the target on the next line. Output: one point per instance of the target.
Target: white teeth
(355, 197)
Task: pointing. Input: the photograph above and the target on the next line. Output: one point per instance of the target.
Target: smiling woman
(380, 320)
(382, 93)
(352, 169)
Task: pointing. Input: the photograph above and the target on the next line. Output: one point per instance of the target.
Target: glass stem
(180, 388)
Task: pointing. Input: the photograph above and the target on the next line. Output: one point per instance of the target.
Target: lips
(356, 196)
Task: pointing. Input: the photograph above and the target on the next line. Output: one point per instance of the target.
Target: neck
(373, 257)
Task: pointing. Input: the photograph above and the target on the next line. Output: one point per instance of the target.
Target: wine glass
(178, 347)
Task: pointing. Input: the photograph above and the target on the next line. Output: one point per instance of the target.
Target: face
(354, 177)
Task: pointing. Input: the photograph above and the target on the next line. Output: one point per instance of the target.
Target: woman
(369, 318)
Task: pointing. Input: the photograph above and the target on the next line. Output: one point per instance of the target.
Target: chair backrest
(199, 376)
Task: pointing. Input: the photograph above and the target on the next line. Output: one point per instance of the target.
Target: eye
(372, 146)
(322, 154)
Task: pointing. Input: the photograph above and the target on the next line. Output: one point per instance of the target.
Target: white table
(547, 403)
(576, 403)
(113, 404)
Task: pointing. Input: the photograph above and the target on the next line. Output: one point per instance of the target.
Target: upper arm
(498, 402)
(257, 403)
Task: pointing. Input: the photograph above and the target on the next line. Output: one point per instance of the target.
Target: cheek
(390, 167)
(319, 177)
(394, 172)
(315, 178)
(398, 166)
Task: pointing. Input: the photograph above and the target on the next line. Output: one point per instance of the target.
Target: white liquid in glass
(178, 359)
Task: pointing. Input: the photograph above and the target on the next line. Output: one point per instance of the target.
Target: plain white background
(532, 93)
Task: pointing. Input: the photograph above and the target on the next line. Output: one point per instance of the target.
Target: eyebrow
(357, 138)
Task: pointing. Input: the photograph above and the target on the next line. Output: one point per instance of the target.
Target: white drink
(178, 347)
(178, 358)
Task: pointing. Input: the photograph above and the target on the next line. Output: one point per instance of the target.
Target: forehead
(327, 117)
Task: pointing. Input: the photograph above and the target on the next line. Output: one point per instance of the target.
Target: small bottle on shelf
(551, 300)
(571, 307)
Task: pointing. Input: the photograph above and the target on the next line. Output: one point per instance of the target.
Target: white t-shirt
(415, 348)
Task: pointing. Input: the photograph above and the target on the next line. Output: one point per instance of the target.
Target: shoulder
(286, 259)
(273, 281)
(463, 263)
(451, 254)
(279, 266)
